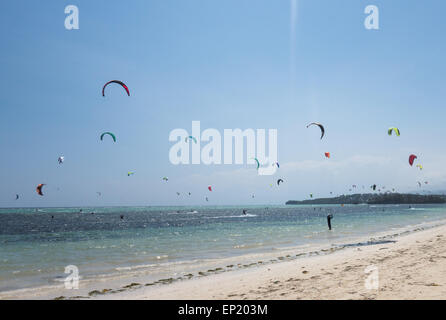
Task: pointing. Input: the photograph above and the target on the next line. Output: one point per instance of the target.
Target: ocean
(180, 242)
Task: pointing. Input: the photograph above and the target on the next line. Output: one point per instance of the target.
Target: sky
(228, 64)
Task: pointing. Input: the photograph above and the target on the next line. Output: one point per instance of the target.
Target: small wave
(187, 212)
(61, 279)
(135, 267)
(240, 216)
(143, 266)
(248, 246)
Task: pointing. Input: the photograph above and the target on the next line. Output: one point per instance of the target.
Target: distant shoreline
(370, 198)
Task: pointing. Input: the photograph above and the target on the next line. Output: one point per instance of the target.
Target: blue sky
(229, 64)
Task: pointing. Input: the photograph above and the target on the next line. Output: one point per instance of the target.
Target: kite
(166, 179)
(258, 163)
(412, 158)
(110, 134)
(190, 137)
(118, 82)
(210, 188)
(279, 181)
(327, 154)
(39, 189)
(320, 126)
(130, 173)
(396, 130)
(61, 159)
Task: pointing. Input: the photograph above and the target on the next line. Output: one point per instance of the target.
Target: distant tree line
(370, 198)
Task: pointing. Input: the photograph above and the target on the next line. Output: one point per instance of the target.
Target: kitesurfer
(329, 217)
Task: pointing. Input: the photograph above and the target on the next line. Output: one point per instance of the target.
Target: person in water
(244, 211)
(329, 217)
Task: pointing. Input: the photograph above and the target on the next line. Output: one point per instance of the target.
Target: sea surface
(163, 242)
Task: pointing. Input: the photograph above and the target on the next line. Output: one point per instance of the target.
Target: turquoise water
(37, 244)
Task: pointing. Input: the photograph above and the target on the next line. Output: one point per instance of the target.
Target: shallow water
(37, 244)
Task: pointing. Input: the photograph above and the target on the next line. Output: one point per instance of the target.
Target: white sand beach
(412, 267)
